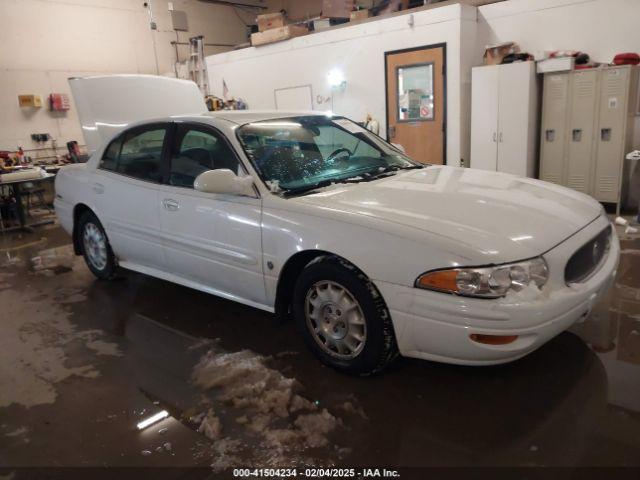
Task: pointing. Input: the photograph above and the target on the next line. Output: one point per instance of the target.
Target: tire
(343, 317)
(95, 247)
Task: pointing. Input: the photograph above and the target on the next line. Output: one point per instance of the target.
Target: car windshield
(302, 153)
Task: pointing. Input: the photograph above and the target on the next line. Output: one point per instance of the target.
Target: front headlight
(487, 282)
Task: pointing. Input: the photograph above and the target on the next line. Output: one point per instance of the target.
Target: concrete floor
(82, 362)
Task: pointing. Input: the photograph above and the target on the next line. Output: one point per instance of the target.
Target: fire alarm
(59, 102)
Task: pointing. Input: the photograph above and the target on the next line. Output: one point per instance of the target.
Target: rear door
(126, 191)
(212, 240)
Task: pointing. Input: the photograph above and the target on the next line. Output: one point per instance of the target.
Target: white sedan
(371, 253)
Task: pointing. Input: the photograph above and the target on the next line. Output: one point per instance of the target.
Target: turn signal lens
(443, 280)
(487, 282)
(493, 339)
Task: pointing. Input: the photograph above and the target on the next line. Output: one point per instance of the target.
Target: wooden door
(416, 103)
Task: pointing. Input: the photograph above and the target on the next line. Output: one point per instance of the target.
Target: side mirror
(224, 181)
(399, 147)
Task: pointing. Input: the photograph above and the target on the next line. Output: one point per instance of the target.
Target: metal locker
(580, 135)
(554, 120)
(610, 137)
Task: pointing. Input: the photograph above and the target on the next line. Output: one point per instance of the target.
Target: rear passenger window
(198, 150)
(141, 154)
(110, 158)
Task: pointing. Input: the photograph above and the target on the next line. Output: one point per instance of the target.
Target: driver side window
(196, 150)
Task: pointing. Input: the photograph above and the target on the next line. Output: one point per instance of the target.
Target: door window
(141, 154)
(415, 93)
(197, 150)
(109, 160)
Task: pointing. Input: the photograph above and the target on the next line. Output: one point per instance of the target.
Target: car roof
(242, 117)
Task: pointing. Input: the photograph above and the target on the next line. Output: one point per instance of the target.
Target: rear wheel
(95, 247)
(343, 318)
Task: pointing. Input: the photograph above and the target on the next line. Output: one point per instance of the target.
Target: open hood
(107, 104)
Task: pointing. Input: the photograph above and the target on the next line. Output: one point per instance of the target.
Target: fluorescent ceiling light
(153, 419)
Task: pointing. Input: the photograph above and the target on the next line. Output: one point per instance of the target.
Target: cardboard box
(494, 54)
(359, 15)
(270, 20)
(30, 101)
(337, 8)
(561, 64)
(321, 24)
(278, 34)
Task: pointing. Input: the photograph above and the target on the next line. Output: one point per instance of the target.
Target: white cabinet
(504, 118)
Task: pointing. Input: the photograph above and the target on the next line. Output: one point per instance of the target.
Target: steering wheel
(333, 156)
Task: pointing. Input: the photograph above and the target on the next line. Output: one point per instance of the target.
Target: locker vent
(607, 184)
(584, 86)
(577, 182)
(557, 91)
(614, 87)
(551, 178)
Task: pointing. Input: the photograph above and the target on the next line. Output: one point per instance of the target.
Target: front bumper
(437, 326)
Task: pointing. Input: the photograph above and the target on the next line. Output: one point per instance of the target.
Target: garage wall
(601, 28)
(43, 42)
(358, 50)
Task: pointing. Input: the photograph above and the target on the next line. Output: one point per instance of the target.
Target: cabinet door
(484, 117)
(515, 82)
(582, 125)
(614, 93)
(554, 119)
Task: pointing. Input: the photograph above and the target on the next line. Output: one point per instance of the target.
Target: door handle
(170, 205)
(500, 137)
(495, 137)
(392, 131)
(98, 188)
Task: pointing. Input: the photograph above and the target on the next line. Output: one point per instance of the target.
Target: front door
(416, 103)
(211, 240)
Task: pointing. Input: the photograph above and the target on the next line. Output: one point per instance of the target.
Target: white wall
(43, 42)
(254, 73)
(601, 28)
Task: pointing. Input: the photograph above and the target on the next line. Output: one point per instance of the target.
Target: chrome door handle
(495, 137)
(98, 188)
(170, 205)
(500, 137)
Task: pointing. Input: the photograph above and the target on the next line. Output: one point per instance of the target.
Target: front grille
(586, 260)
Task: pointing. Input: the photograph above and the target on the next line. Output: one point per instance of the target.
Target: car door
(126, 189)
(213, 240)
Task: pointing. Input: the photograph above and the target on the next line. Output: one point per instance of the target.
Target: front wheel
(95, 247)
(343, 318)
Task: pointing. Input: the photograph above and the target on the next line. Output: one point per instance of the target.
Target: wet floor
(82, 362)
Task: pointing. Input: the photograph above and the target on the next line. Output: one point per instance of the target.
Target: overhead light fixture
(336, 79)
(153, 419)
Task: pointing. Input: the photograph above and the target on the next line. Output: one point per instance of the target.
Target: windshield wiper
(363, 177)
(289, 192)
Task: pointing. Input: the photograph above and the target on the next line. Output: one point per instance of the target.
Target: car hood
(499, 216)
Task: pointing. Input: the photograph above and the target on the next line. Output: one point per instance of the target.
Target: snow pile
(266, 409)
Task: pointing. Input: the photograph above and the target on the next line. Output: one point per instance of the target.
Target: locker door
(484, 117)
(513, 120)
(554, 120)
(611, 131)
(582, 125)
